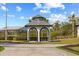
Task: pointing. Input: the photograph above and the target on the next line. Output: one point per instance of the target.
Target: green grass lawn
(57, 42)
(1, 48)
(75, 48)
(71, 48)
(68, 42)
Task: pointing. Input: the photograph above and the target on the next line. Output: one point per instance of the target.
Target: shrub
(1, 48)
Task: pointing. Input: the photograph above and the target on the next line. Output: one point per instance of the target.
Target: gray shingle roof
(38, 22)
(11, 28)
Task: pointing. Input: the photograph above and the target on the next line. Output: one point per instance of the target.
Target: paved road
(33, 50)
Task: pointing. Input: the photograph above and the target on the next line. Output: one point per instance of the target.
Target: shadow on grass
(69, 49)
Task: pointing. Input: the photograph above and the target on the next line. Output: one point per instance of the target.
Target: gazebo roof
(38, 16)
(38, 21)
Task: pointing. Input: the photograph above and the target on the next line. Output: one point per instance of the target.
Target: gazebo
(39, 24)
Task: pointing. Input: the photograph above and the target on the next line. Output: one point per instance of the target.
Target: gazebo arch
(33, 34)
(38, 23)
(44, 32)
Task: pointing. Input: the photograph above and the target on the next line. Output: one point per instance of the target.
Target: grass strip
(68, 49)
(1, 48)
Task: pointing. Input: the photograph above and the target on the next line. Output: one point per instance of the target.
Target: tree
(61, 29)
(29, 20)
(56, 29)
(73, 22)
(66, 28)
(56, 26)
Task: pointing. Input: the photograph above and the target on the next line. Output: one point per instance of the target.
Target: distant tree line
(63, 29)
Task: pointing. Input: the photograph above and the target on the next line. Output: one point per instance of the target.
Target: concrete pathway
(33, 50)
(31, 45)
(15, 51)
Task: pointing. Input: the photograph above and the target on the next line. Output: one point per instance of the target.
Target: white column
(38, 35)
(77, 31)
(49, 39)
(28, 34)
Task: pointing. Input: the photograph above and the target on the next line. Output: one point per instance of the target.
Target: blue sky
(18, 14)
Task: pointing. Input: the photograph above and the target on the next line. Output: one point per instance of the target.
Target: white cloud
(44, 11)
(54, 5)
(18, 8)
(38, 5)
(4, 8)
(30, 17)
(57, 17)
(3, 3)
(46, 7)
(73, 12)
(10, 15)
(22, 17)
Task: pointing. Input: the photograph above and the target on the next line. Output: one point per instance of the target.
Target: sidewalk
(15, 51)
(31, 45)
(33, 50)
